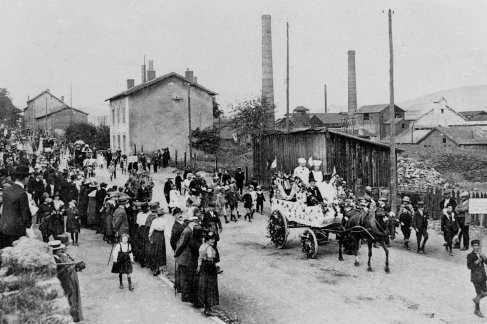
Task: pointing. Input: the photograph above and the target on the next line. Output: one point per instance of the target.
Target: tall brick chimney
(143, 78)
(151, 74)
(130, 83)
(267, 74)
(189, 75)
(352, 84)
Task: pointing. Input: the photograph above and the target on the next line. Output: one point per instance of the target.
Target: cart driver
(302, 171)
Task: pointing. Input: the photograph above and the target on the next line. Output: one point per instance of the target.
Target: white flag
(310, 161)
(274, 164)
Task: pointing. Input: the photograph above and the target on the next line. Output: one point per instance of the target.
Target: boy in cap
(475, 262)
(420, 224)
(260, 200)
(405, 218)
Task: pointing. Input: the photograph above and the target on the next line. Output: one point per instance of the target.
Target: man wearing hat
(16, 217)
(176, 231)
(447, 201)
(405, 219)
(66, 273)
(178, 181)
(100, 199)
(475, 262)
(120, 221)
(313, 195)
(420, 224)
(239, 178)
(186, 255)
(302, 171)
(463, 217)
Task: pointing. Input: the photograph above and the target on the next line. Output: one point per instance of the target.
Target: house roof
(465, 135)
(473, 112)
(415, 114)
(62, 109)
(155, 81)
(331, 118)
(372, 109)
(408, 137)
(441, 104)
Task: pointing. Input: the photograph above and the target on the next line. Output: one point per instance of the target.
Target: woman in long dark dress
(157, 251)
(208, 275)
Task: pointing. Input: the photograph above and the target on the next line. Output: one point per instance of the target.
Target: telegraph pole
(189, 126)
(287, 78)
(392, 120)
(326, 101)
(46, 115)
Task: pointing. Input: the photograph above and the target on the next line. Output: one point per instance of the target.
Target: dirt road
(262, 284)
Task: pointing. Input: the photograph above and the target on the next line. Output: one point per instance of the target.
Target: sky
(96, 45)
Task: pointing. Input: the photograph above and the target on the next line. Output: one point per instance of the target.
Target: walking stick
(175, 277)
(110, 256)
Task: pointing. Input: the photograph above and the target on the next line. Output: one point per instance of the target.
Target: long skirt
(91, 214)
(157, 250)
(208, 285)
(189, 284)
(141, 242)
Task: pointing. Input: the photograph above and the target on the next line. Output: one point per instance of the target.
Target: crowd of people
(43, 198)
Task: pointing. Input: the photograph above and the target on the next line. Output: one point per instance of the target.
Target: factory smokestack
(267, 75)
(352, 84)
(143, 72)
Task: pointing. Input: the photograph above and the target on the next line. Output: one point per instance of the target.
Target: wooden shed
(357, 160)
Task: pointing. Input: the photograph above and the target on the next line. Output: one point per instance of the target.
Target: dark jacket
(100, 198)
(314, 196)
(185, 253)
(448, 224)
(16, 216)
(451, 202)
(120, 221)
(176, 231)
(239, 178)
(477, 271)
(420, 223)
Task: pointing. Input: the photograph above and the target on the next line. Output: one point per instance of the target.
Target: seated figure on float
(302, 171)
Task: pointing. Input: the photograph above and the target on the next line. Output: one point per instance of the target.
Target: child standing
(112, 170)
(248, 204)
(123, 260)
(260, 200)
(73, 222)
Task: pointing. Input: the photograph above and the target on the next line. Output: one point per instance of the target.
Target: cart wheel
(310, 244)
(278, 230)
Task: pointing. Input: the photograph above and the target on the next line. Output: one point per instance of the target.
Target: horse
(363, 225)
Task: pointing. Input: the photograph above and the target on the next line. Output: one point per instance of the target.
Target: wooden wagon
(318, 221)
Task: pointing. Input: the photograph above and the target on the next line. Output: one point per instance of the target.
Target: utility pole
(287, 78)
(392, 115)
(326, 102)
(46, 115)
(189, 126)
(71, 102)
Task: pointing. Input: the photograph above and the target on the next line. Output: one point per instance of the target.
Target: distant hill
(460, 99)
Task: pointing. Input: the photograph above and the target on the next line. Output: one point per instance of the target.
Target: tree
(217, 113)
(94, 136)
(252, 117)
(207, 140)
(8, 111)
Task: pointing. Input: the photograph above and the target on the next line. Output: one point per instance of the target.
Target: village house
(302, 118)
(375, 119)
(48, 112)
(154, 114)
(438, 113)
(445, 137)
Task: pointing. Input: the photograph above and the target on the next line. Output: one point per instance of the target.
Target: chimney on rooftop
(143, 79)
(352, 84)
(62, 98)
(130, 83)
(151, 74)
(195, 80)
(267, 74)
(188, 75)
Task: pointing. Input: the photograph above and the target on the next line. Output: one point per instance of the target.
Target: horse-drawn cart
(319, 221)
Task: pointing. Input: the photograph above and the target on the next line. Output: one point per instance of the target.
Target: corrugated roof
(473, 112)
(372, 109)
(157, 80)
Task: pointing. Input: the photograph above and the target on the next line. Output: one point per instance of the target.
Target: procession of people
(53, 201)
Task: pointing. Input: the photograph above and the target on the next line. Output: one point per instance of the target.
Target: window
(444, 140)
(443, 111)
(124, 144)
(123, 114)
(402, 125)
(113, 143)
(366, 116)
(113, 116)
(118, 141)
(118, 115)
